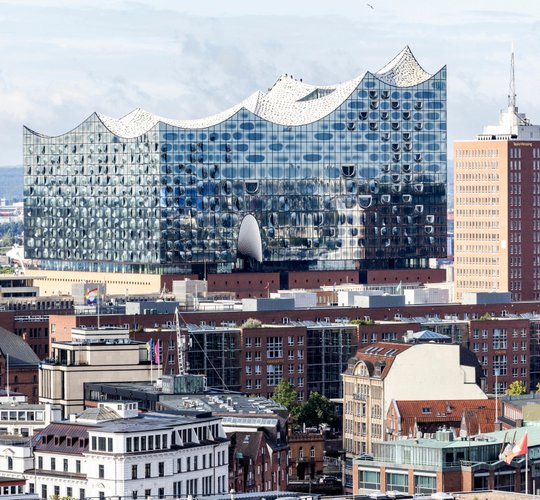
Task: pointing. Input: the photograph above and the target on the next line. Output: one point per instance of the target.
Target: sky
(61, 60)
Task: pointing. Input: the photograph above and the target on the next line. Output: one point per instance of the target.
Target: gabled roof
(249, 443)
(20, 353)
(380, 354)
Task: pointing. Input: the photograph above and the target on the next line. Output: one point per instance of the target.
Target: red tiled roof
(381, 353)
(479, 414)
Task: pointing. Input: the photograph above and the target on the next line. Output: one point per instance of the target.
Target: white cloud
(63, 59)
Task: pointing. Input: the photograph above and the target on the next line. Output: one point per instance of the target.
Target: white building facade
(113, 451)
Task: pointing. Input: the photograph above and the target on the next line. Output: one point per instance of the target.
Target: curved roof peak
(289, 102)
(403, 71)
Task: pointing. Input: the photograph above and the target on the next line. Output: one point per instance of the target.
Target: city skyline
(179, 61)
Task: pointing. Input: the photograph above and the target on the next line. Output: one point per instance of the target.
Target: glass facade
(362, 187)
(328, 351)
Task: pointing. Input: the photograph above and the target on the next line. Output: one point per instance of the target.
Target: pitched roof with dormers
(378, 357)
(475, 416)
(63, 438)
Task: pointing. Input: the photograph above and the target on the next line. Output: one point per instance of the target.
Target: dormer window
(426, 409)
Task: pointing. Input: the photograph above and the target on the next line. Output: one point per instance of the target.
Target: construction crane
(181, 344)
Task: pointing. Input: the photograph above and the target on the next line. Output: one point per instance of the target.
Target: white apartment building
(113, 451)
(20, 418)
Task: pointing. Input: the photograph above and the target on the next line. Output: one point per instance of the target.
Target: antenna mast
(512, 89)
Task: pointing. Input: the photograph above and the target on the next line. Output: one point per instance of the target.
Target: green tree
(538, 388)
(486, 316)
(362, 322)
(285, 394)
(516, 388)
(251, 323)
(315, 411)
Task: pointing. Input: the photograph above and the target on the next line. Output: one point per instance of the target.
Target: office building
(497, 207)
(255, 357)
(421, 466)
(303, 177)
(93, 355)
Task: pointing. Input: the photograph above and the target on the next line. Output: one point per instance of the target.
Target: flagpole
(151, 361)
(159, 361)
(97, 303)
(7, 378)
(527, 471)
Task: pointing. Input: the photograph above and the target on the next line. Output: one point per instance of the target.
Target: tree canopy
(285, 394)
(516, 388)
(315, 411)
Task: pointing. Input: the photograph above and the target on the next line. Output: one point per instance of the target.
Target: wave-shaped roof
(289, 102)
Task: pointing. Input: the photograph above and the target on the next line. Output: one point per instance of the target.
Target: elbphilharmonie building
(347, 176)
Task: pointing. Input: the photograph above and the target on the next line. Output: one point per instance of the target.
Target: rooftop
(20, 353)
(479, 414)
(145, 422)
(289, 102)
(225, 404)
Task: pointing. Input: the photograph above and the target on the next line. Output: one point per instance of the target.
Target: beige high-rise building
(497, 207)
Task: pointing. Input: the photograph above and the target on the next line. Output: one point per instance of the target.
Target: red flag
(519, 449)
(156, 352)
